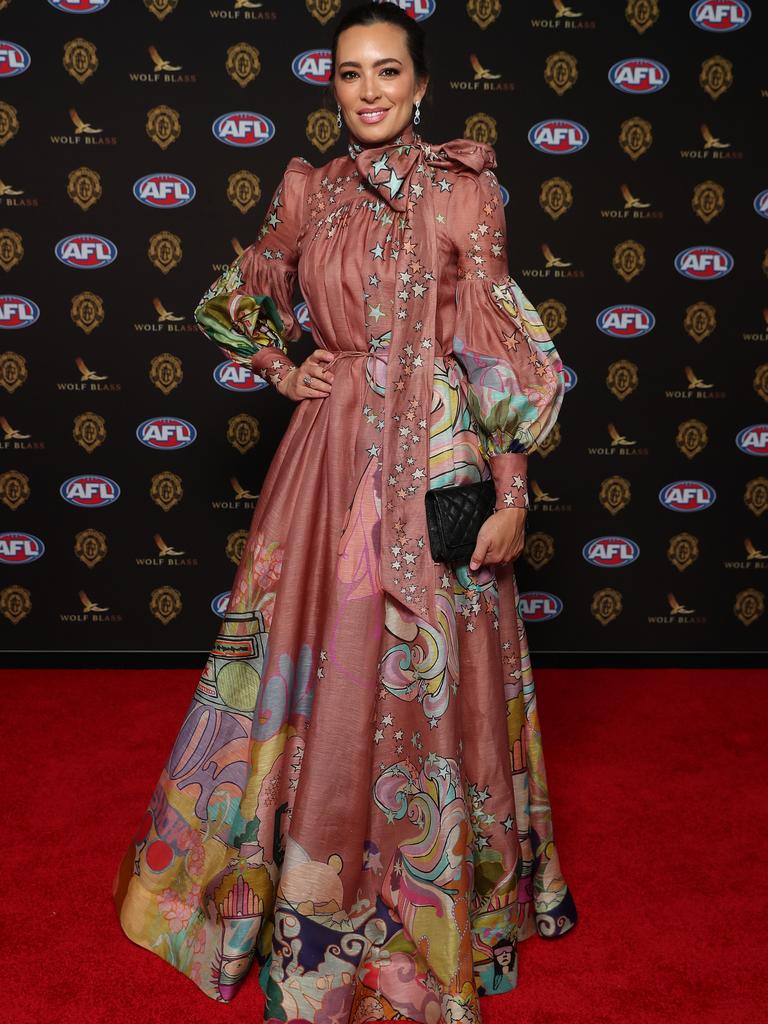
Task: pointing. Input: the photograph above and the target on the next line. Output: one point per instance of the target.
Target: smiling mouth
(372, 116)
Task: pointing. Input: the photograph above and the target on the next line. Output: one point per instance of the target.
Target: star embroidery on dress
(377, 251)
(394, 184)
(376, 312)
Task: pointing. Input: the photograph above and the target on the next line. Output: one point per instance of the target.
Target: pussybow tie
(405, 172)
(388, 168)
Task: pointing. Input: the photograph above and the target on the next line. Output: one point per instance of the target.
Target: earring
(338, 116)
(417, 115)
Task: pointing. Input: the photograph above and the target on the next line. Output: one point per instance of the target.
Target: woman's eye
(346, 75)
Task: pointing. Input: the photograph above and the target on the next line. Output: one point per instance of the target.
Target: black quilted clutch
(454, 517)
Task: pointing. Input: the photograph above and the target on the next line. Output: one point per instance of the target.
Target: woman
(360, 804)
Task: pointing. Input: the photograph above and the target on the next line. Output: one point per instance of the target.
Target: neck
(405, 136)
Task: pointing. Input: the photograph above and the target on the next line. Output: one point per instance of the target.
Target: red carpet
(658, 782)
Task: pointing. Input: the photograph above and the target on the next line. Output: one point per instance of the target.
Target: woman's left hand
(500, 538)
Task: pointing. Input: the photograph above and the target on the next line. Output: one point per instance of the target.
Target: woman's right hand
(317, 368)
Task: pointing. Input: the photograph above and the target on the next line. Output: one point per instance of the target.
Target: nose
(369, 91)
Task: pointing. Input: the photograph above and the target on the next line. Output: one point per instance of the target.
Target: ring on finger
(306, 380)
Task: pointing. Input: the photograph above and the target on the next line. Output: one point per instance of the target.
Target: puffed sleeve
(514, 374)
(248, 310)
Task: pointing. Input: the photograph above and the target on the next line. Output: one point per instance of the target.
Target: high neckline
(407, 135)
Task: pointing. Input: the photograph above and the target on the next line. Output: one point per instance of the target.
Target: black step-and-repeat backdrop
(140, 142)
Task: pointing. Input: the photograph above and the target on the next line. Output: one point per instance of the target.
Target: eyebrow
(376, 63)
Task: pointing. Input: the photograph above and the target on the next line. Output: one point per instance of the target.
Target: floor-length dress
(357, 799)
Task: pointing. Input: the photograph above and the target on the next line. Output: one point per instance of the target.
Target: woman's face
(375, 81)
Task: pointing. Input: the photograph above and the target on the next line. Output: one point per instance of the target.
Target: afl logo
(761, 203)
(610, 552)
(14, 59)
(416, 9)
(89, 491)
(86, 252)
(753, 440)
(539, 606)
(220, 602)
(638, 75)
(243, 128)
(313, 67)
(164, 191)
(625, 321)
(570, 378)
(233, 376)
(558, 136)
(166, 432)
(301, 312)
(17, 311)
(720, 17)
(703, 262)
(504, 195)
(19, 548)
(79, 6)
(687, 496)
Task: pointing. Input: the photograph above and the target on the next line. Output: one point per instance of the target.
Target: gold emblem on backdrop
(550, 442)
(11, 248)
(622, 378)
(87, 311)
(606, 605)
(243, 432)
(163, 125)
(539, 549)
(236, 545)
(749, 605)
(323, 10)
(641, 14)
(635, 137)
(84, 187)
(553, 315)
(80, 60)
(708, 200)
(700, 320)
(760, 381)
(243, 63)
(13, 371)
(9, 122)
(756, 495)
(560, 72)
(481, 128)
(615, 494)
(716, 76)
(165, 603)
(484, 12)
(89, 430)
(161, 8)
(556, 197)
(15, 603)
(628, 259)
(243, 190)
(764, 264)
(683, 550)
(165, 372)
(691, 437)
(91, 547)
(164, 251)
(166, 490)
(322, 130)
(14, 488)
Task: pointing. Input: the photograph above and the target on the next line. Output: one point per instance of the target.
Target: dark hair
(391, 14)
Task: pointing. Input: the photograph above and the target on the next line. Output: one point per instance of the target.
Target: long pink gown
(357, 799)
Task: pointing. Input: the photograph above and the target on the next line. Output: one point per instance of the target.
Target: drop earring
(417, 115)
(338, 116)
